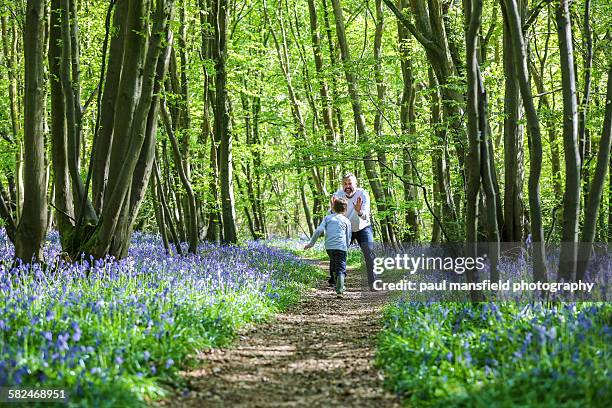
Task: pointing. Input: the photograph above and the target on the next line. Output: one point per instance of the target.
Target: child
(337, 230)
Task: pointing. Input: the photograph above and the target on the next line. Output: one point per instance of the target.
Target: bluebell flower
(62, 341)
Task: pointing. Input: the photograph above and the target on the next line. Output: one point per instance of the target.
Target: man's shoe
(339, 295)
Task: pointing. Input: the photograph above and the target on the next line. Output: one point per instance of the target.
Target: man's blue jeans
(337, 267)
(365, 239)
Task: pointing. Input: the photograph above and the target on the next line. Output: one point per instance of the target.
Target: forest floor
(320, 352)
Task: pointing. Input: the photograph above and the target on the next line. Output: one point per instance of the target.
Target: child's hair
(340, 205)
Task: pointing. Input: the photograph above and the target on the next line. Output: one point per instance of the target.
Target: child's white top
(337, 230)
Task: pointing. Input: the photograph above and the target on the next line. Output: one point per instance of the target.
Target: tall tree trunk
(487, 171)
(583, 133)
(597, 187)
(473, 165)
(9, 50)
(387, 220)
(512, 230)
(370, 166)
(61, 177)
(441, 190)
(222, 125)
(513, 18)
(129, 150)
(408, 126)
(610, 201)
(180, 163)
(430, 32)
(546, 110)
(571, 197)
(69, 80)
(103, 142)
(307, 213)
(144, 164)
(296, 113)
(339, 124)
(33, 223)
(326, 101)
(208, 29)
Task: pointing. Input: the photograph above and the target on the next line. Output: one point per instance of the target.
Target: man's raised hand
(358, 205)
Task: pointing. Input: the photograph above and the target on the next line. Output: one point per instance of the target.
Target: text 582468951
(13, 394)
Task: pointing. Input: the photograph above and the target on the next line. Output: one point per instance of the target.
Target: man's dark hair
(340, 205)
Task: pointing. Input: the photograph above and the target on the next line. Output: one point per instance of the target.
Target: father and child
(348, 220)
(337, 229)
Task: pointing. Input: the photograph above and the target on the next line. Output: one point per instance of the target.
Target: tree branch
(421, 38)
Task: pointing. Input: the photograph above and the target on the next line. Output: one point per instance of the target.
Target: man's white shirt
(357, 222)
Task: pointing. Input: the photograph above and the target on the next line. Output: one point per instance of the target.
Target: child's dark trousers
(337, 267)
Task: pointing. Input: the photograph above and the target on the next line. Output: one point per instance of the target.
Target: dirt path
(319, 353)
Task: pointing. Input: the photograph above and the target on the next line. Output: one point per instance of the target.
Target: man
(358, 212)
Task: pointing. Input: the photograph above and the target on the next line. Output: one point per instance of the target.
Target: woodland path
(318, 353)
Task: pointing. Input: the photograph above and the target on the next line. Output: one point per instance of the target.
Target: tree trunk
(583, 132)
(103, 142)
(180, 163)
(370, 166)
(339, 124)
(159, 215)
(164, 207)
(222, 128)
(307, 213)
(430, 31)
(571, 197)
(33, 223)
(512, 230)
(130, 151)
(61, 177)
(326, 101)
(519, 51)
(546, 110)
(408, 126)
(387, 220)
(587, 38)
(473, 166)
(9, 50)
(597, 187)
